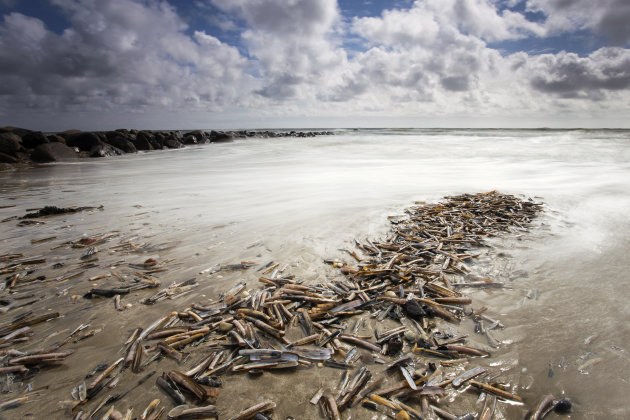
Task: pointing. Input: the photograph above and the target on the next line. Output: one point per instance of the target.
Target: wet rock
(20, 132)
(34, 139)
(53, 138)
(10, 144)
(70, 132)
(160, 139)
(145, 141)
(195, 137)
(85, 141)
(53, 152)
(190, 139)
(220, 137)
(104, 150)
(172, 143)
(14, 142)
(122, 143)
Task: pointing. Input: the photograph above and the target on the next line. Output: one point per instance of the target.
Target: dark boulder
(172, 143)
(121, 143)
(195, 137)
(10, 144)
(53, 152)
(220, 137)
(68, 133)
(20, 132)
(160, 140)
(190, 139)
(53, 138)
(85, 141)
(34, 139)
(110, 134)
(145, 141)
(104, 150)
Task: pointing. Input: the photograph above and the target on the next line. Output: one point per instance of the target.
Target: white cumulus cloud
(117, 53)
(302, 59)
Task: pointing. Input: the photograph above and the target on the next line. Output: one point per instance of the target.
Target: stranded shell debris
(388, 318)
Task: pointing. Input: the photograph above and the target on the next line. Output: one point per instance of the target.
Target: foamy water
(301, 200)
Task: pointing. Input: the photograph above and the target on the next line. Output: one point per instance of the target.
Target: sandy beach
(197, 248)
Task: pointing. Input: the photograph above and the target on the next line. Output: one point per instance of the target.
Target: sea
(298, 201)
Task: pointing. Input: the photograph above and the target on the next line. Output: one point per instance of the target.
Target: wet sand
(217, 207)
(119, 257)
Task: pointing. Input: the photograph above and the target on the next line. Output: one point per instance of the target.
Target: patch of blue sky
(520, 7)
(204, 16)
(44, 10)
(370, 8)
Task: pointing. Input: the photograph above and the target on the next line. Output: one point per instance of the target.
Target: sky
(176, 64)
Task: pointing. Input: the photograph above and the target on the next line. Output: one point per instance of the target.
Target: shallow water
(297, 201)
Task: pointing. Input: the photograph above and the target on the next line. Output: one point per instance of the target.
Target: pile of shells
(413, 364)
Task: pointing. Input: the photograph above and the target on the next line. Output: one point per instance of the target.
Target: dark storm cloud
(569, 75)
(615, 22)
(608, 17)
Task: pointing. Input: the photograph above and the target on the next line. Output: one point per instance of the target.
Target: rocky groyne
(20, 147)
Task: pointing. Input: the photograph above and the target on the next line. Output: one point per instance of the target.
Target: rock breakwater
(21, 147)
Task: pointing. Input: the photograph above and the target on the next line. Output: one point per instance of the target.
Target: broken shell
(225, 326)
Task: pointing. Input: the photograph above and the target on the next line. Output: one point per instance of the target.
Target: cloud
(571, 76)
(293, 41)
(118, 53)
(420, 55)
(301, 57)
(422, 22)
(434, 58)
(606, 17)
